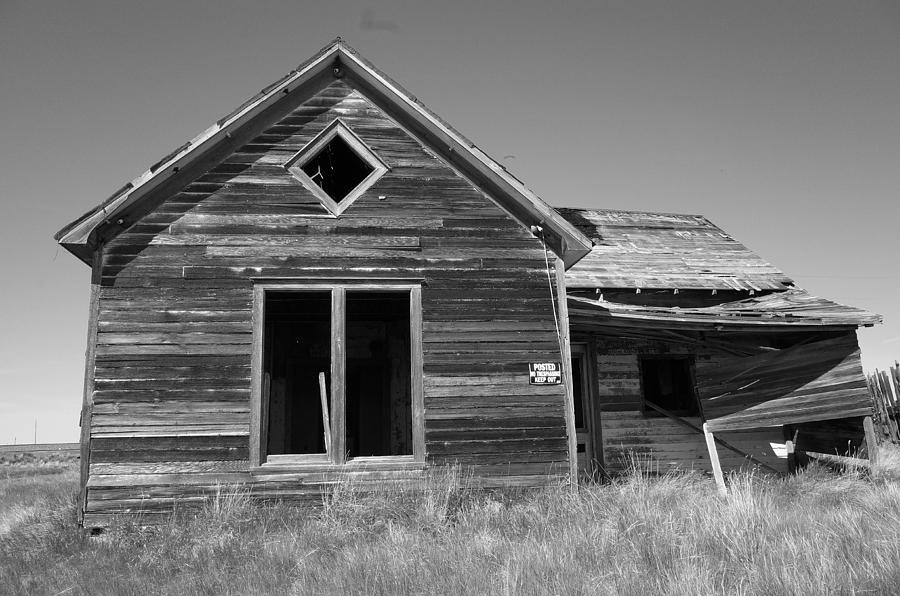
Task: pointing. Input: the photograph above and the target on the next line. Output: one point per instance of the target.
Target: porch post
(565, 348)
(714, 459)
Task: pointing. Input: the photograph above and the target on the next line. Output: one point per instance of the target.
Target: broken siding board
(816, 381)
(789, 308)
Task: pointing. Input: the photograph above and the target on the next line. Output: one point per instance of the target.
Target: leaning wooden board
(820, 380)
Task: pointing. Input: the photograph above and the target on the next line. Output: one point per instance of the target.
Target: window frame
(337, 128)
(337, 455)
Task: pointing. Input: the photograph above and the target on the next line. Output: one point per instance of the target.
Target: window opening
(378, 387)
(297, 347)
(361, 342)
(337, 169)
(668, 383)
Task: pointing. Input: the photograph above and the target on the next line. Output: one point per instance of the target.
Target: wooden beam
(416, 370)
(714, 460)
(565, 348)
(257, 416)
(87, 401)
(338, 360)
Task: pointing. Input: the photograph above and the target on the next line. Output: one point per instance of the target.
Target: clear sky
(780, 121)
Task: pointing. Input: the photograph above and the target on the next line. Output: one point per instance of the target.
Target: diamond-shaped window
(337, 167)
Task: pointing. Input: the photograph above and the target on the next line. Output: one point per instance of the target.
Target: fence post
(871, 441)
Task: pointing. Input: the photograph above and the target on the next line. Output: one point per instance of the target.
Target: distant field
(46, 458)
(40, 448)
(816, 533)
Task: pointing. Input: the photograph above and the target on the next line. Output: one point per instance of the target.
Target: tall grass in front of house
(815, 533)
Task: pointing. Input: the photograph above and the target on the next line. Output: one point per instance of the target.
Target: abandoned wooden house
(332, 282)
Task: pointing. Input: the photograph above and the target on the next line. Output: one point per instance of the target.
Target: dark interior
(578, 395)
(669, 384)
(337, 169)
(578, 390)
(378, 388)
(297, 347)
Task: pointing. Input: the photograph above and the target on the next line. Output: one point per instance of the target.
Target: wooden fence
(884, 386)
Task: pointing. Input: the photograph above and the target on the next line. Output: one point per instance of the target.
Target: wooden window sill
(359, 464)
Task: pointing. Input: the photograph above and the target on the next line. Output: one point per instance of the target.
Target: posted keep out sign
(544, 373)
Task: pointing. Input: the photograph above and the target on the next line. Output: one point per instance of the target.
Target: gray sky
(780, 121)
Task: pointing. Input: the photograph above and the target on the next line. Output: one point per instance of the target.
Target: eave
(792, 309)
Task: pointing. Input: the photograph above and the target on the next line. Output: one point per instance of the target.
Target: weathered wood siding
(173, 355)
(662, 444)
(821, 380)
(628, 435)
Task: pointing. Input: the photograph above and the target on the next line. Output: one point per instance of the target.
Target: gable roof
(338, 59)
(665, 251)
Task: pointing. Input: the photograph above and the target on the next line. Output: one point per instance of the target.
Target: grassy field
(815, 533)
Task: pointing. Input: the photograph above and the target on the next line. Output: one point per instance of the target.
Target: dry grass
(815, 533)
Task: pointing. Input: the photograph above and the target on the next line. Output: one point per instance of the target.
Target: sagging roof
(81, 236)
(792, 308)
(665, 251)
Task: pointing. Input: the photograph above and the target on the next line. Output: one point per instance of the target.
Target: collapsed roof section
(335, 60)
(790, 308)
(665, 251)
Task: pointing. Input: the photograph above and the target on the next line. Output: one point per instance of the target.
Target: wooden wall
(627, 433)
(172, 378)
